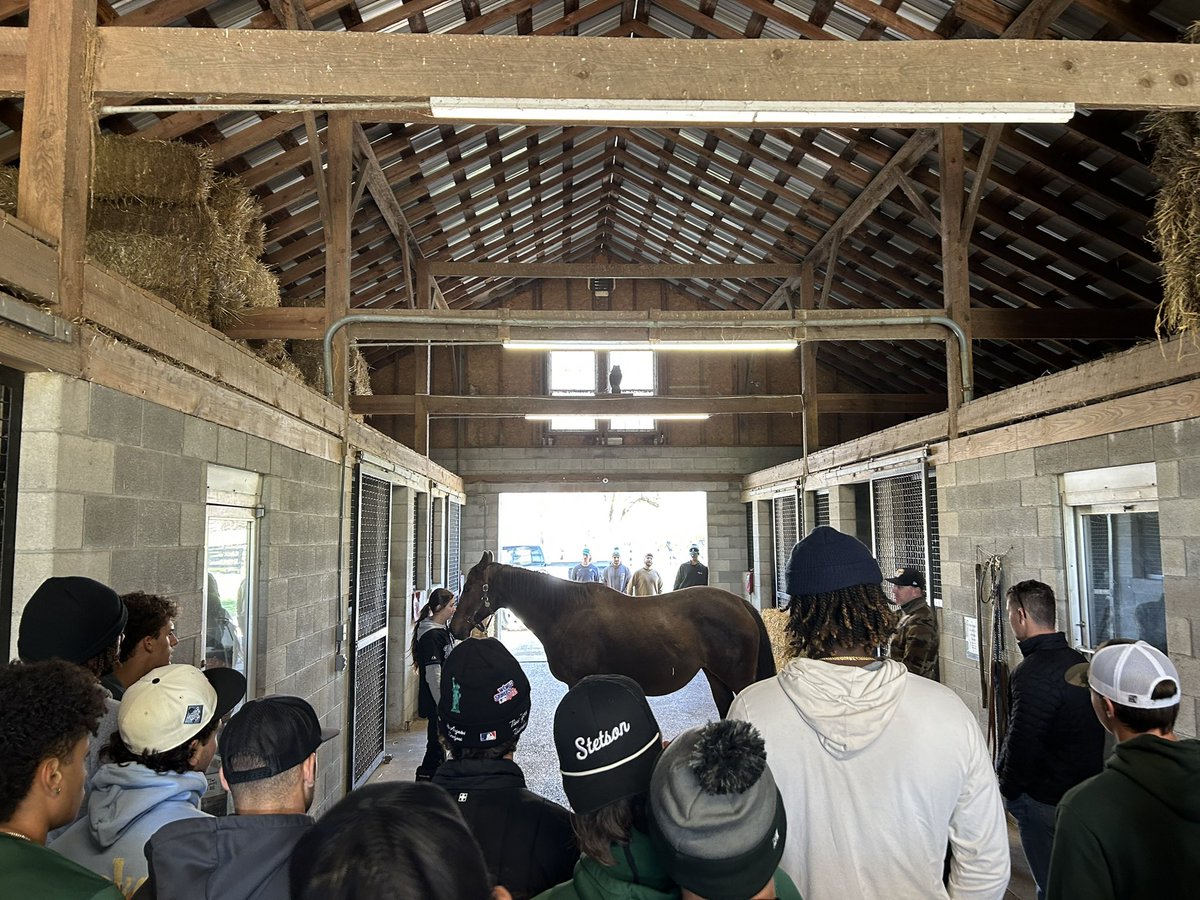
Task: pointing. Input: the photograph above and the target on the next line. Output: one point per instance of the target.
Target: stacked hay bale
(163, 218)
(1175, 227)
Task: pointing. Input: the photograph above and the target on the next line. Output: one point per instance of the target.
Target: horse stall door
(370, 540)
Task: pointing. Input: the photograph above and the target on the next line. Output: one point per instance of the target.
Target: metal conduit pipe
(517, 321)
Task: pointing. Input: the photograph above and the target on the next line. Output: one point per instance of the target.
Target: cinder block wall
(718, 472)
(1009, 504)
(114, 488)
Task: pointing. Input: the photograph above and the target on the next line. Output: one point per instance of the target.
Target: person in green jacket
(48, 710)
(1131, 832)
(608, 742)
(717, 820)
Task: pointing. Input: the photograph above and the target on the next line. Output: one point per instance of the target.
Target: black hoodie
(223, 858)
(1133, 831)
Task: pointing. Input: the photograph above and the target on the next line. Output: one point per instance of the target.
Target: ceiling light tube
(689, 346)
(662, 417)
(537, 110)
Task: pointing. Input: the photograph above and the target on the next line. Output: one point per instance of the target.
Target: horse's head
(477, 601)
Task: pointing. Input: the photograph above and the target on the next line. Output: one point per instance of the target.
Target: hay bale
(360, 374)
(275, 353)
(776, 621)
(160, 171)
(309, 357)
(193, 223)
(239, 215)
(241, 284)
(1175, 225)
(167, 266)
(8, 189)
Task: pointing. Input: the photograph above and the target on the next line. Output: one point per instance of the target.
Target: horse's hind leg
(722, 695)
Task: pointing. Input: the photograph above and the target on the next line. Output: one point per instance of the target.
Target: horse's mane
(538, 588)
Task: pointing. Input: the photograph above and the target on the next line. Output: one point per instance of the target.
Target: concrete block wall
(1009, 504)
(716, 471)
(114, 487)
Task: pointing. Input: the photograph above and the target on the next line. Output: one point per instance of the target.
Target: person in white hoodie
(879, 769)
(166, 737)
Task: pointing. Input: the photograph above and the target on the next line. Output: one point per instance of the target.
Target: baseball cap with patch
(607, 741)
(170, 705)
(908, 576)
(485, 695)
(1127, 674)
(268, 736)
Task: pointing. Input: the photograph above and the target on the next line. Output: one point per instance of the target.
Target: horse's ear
(487, 558)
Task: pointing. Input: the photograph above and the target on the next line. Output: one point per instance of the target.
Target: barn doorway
(549, 531)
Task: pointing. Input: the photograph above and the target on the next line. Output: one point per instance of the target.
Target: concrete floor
(676, 712)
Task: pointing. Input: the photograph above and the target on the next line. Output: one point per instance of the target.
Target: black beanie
(607, 741)
(72, 618)
(485, 695)
(827, 560)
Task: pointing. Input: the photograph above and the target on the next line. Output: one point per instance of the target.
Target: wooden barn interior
(918, 269)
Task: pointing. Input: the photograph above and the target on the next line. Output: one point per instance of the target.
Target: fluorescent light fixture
(774, 112)
(662, 417)
(690, 346)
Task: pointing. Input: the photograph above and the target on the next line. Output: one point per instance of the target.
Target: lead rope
(991, 584)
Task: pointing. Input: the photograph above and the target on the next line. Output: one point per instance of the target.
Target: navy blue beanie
(827, 561)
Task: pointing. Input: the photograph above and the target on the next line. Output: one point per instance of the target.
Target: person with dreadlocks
(878, 768)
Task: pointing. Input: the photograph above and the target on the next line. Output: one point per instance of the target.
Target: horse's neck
(536, 603)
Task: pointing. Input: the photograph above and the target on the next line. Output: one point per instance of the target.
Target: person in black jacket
(431, 645)
(1053, 740)
(527, 841)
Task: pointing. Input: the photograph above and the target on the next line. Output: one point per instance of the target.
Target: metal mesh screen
(750, 537)
(935, 541)
(786, 522)
(370, 706)
(453, 545)
(370, 546)
(821, 509)
(416, 543)
(898, 514)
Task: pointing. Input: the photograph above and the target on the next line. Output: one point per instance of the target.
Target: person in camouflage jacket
(915, 641)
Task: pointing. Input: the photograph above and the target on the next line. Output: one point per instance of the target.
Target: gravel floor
(675, 712)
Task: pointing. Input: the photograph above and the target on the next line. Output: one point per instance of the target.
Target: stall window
(1114, 557)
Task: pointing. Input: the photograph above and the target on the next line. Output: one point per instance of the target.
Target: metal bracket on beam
(23, 315)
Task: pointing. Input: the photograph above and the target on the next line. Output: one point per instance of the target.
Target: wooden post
(808, 365)
(337, 243)
(956, 287)
(421, 399)
(56, 136)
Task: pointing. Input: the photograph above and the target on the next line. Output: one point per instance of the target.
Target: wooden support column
(956, 288)
(808, 366)
(339, 150)
(424, 279)
(56, 136)
(423, 354)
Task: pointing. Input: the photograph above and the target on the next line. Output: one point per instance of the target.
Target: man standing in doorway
(692, 573)
(1054, 740)
(915, 641)
(646, 581)
(616, 576)
(586, 571)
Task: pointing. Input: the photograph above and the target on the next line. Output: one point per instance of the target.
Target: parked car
(527, 556)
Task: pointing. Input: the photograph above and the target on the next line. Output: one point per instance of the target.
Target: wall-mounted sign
(971, 632)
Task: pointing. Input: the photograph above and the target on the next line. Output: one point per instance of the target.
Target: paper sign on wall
(971, 631)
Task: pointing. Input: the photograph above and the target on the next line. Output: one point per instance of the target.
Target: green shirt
(30, 870)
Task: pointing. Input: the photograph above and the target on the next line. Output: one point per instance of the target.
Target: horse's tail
(766, 659)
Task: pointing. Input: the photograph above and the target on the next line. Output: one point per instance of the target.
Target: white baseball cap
(1127, 674)
(170, 705)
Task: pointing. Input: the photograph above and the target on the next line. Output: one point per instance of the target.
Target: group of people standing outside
(643, 582)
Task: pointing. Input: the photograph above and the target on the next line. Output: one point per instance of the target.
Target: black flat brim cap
(230, 685)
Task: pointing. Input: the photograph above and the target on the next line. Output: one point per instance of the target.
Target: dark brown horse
(660, 642)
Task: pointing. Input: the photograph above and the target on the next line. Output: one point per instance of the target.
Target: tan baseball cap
(170, 705)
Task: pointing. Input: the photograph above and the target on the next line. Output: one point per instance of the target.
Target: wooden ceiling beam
(612, 270)
(603, 406)
(252, 65)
